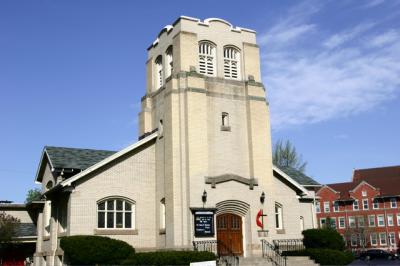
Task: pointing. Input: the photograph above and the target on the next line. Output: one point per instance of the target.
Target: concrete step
(300, 261)
(254, 261)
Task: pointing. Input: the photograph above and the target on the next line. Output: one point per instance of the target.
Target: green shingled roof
(298, 176)
(72, 158)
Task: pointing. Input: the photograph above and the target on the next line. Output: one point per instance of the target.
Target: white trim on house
(291, 180)
(361, 183)
(107, 160)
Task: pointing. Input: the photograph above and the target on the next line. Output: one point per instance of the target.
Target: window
(371, 220)
(159, 72)
(375, 204)
(355, 205)
(364, 193)
(225, 119)
(317, 207)
(391, 238)
(342, 222)
(381, 220)
(333, 222)
(361, 222)
(365, 204)
(301, 223)
(335, 206)
(398, 220)
(116, 213)
(390, 220)
(231, 63)
(162, 213)
(207, 58)
(326, 206)
(322, 222)
(278, 216)
(49, 185)
(170, 62)
(352, 221)
(382, 239)
(353, 240)
(393, 203)
(374, 239)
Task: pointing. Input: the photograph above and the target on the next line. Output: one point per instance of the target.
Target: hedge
(90, 250)
(323, 239)
(324, 256)
(169, 258)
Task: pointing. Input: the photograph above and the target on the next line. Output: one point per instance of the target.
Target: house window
(159, 72)
(375, 204)
(335, 206)
(382, 239)
(231, 63)
(365, 204)
(301, 223)
(398, 220)
(342, 222)
(207, 58)
(353, 240)
(162, 213)
(326, 206)
(390, 220)
(170, 62)
(115, 213)
(381, 220)
(355, 205)
(225, 119)
(364, 193)
(333, 222)
(278, 216)
(361, 222)
(391, 238)
(393, 203)
(352, 221)
(317, 207)
(371, 220)
(322, 222)
(374, 239)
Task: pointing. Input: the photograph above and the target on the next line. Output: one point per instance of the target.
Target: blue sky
(72, 74)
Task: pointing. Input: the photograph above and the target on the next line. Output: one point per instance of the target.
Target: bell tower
(205, 96)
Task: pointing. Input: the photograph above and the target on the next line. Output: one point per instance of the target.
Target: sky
(72, 74)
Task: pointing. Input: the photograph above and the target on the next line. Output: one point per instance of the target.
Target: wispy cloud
(316, 83)
(347, 35)
(373, 3)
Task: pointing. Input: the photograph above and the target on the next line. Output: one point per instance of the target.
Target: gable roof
(289, 179)
(78, 159)
(298, 176)
(343, 189)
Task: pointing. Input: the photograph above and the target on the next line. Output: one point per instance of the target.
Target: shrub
(169, 258)
(90, 250)
(324, 256)
(323, 238)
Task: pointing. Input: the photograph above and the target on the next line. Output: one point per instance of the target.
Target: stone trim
(280, 231)
(214, 180)
(116, 232)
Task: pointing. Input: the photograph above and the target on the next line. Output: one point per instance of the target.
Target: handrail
(270, 252)
(229, 259)
(282, 245)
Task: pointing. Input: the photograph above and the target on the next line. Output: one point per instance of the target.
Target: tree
(8, 226)
(285, 155)
(33, 194)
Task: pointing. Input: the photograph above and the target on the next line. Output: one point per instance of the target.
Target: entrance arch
(229, 234)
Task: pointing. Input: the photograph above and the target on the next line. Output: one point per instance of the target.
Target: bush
(324, 256)
(323, 239)
(90, 250)
(169, 258)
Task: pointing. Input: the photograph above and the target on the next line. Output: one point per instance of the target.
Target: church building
(202, 168)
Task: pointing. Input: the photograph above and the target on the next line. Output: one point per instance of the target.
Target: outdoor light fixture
(204, 197)
(262, 197)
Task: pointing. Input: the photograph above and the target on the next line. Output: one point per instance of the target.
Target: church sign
(203, 224)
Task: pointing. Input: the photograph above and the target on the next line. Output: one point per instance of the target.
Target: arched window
(116, 213)
(159, 72)
(170, 62)
(231, 63)
(207, 58)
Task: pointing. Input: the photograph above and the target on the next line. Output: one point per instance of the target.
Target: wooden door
(229, 234)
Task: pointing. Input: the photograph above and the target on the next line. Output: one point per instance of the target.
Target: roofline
(40, 165)
(107, 160)
(319, 185)
(327, 186)
(362, 182)
(12, 206)
(291, 180)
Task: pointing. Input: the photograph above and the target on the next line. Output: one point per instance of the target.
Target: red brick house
(365, 211)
